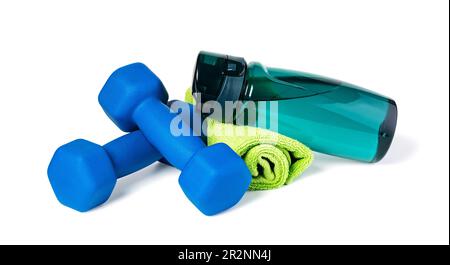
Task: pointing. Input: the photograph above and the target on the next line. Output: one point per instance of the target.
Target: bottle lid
(218, 77)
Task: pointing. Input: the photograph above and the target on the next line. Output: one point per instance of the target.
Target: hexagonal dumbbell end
(81, 175)
(124, 91)
(215, 179)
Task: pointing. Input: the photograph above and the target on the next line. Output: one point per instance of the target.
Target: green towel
(273, 159)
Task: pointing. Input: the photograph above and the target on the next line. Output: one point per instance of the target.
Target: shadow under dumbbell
(138, 179)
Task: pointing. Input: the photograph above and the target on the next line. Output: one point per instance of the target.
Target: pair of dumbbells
(83, 174)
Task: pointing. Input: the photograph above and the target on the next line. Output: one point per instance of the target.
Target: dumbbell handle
(130, 153)
(153, 119)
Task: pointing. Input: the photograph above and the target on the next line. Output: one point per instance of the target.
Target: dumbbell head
(82, 175)
(125, 89)
(215, 179)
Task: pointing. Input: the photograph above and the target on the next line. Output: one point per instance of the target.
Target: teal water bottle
(329, 116)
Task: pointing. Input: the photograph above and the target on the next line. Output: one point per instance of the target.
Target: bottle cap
(218, 77)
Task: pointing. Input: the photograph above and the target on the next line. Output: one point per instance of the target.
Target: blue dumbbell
(214, 178)
(77, 169)
(83, 174)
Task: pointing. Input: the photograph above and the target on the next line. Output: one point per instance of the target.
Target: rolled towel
(273, 159)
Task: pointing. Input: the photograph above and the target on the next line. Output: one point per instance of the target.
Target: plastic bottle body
(327, 115)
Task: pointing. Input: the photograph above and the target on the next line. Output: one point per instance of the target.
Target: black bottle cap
(218, 77)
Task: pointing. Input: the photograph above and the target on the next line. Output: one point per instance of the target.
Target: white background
(55, 56)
